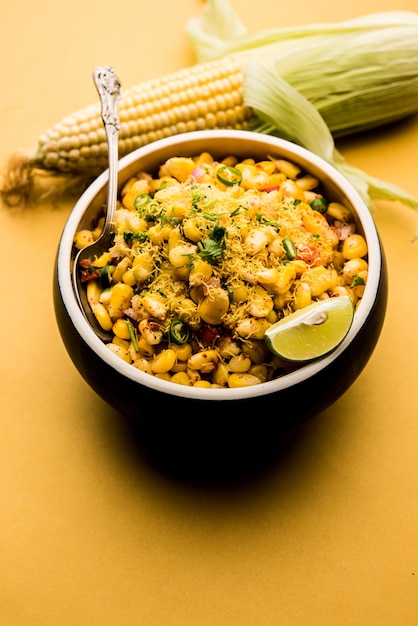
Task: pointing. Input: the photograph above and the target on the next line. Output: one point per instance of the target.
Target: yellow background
(91, 533)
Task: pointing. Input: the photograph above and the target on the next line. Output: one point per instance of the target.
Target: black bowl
(272, 406)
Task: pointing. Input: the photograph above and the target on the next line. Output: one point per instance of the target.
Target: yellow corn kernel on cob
(205, 96)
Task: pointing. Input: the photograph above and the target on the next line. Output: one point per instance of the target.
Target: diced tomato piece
(307, 253)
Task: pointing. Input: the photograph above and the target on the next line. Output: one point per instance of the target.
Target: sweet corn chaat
(208, 254)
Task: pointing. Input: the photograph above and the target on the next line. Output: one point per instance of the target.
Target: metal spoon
(108, 86)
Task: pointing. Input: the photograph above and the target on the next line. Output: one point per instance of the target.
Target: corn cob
(206, 96)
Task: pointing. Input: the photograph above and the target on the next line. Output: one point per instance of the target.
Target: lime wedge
(313, 331)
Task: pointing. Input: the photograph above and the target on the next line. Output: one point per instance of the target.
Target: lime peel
(311, 332)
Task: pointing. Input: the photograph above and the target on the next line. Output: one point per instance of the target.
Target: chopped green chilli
(229, 175)
(320, 205)
(289, 248)
(179, 332)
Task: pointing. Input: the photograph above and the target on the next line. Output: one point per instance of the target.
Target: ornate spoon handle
(108, 86)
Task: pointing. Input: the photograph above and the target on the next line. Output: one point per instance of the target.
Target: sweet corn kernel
(354, 246)
(83, 238)
(102, 316)
(240, 363)
(204, 361)
(203, 384)
(242, 380)
(163, 361)
(120, 329)
(181, 378)
(260, 371)
(120, 351)
(180, 255)
(220, 375)
(213, 308)
(93, 291)
(353, 267)
(183, 351)
(120, 299)
(252, 328)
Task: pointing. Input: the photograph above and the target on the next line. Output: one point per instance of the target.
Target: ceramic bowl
(280, 403)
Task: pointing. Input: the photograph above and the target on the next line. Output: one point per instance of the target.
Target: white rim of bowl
(166, 387)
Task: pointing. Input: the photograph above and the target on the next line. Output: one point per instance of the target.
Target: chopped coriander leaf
(104, 278)
(211, 250)
(218, 233)
(130, 237)
(357, 281)
(264, 220)
(147, 208)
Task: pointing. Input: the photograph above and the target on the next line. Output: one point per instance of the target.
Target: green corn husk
(358, 74)
(314, 83)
